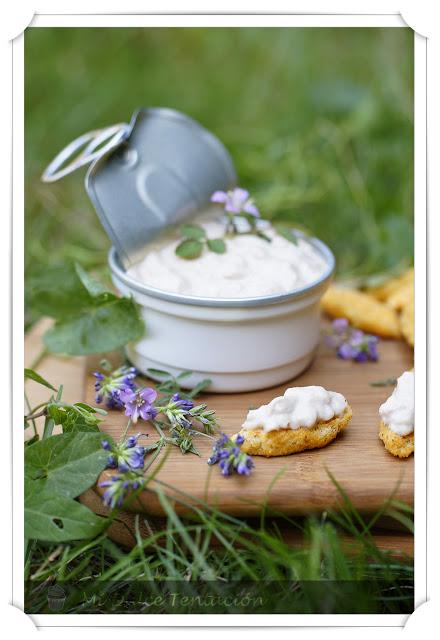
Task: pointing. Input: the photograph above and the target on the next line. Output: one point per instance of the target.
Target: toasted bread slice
(392, 286)
(283, 442)
(407, 321)
(362, 311)
(399, 446)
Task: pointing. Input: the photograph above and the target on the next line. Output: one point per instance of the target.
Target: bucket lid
(147, 175)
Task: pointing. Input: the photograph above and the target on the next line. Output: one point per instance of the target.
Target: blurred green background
(319, 122)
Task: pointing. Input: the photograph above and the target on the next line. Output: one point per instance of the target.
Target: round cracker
(283, 442)
(399, 446)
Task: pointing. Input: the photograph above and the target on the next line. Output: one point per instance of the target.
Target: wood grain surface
(296, 484)
(357, 458)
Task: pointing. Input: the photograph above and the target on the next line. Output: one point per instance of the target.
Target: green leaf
(89, 319)
(217, 245)
(287, 233)
(48, 428)
(388, 382)
(57, 291)
(101, 328)
(189, 249)
(158, 373)
(76, 417)
(89, 409)
(55, 518)
(192, 232)
(263, 236)
(30, 374)
(93, 287)
(184, 374)
(66, 464)
(201, 386)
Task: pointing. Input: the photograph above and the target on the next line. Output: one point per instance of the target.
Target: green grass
(319, 122)
(320, 126)
(210, 554)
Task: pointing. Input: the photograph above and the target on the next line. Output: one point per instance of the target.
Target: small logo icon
(56, 597)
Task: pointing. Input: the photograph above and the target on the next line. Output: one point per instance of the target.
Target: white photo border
(209, 20)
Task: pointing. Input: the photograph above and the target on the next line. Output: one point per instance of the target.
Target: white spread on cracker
(298, 407)
(251, 266)
(397, 412)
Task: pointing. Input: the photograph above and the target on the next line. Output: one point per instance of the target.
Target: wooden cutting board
(309, 489)
(296, 484)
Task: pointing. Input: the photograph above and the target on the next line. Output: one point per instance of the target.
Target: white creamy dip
(299, 407)
(397, 412)
(250, 267)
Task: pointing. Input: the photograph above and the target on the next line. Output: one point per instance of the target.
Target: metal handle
(89, 143)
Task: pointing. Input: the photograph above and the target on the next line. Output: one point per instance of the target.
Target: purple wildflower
(226, 467)
(183, 403)
(340, 326)
(350, 343)
(372, 348)
(346, 351)
(178, 412)
(244, 467)
(139, 403)
(126, 456)
(112, 462)
(108, 387)
(239, 439)
(118, 487)
(236, 201)
(227, 452)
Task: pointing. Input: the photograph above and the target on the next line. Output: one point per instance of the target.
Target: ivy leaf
(57, 291)
(101, 328)
(57, 470)
(192, 232)
(189, 249)
(89, 319)
(76, 417)
(66, 464)
(217, 245)
(55, 518)
(287, 233)
(30, 374)
(92, 286)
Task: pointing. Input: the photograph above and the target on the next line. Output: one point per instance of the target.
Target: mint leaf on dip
(217, 245)
(192, 232)
(189, 249)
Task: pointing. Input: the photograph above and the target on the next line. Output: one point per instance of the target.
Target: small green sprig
(237, 206)
(388, 382)
(195, 240)
(170, 384)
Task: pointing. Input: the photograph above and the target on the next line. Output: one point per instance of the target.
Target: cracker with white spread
(396, 429)
(304, 418)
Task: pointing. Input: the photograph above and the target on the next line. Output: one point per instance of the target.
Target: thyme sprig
(238, 206)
